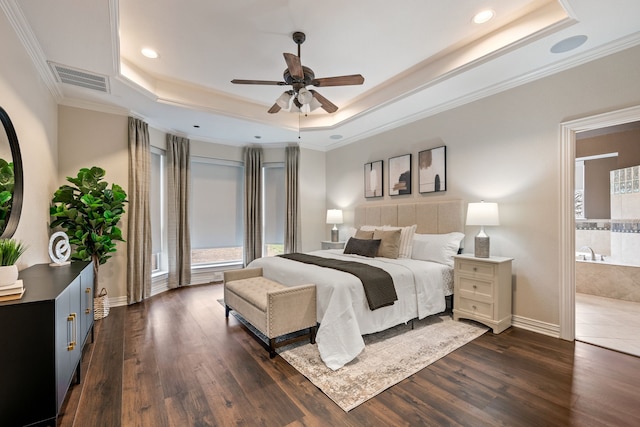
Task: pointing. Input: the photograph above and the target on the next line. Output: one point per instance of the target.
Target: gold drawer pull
(89, 301)
(74, 332)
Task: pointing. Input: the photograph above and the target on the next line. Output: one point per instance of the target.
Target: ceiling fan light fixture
(314, 104)
(284, 100)
(304, 96)
(305, 108)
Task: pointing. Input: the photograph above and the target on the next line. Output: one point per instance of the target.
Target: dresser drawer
(475, 289)
(475, 269)
(477, 308)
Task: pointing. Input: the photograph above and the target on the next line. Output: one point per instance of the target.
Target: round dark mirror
(10, 178)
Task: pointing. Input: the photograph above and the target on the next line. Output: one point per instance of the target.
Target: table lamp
(334, 216)
(482, 214)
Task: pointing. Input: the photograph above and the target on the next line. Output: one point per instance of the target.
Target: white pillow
(351, 231)
(406, 239)
(438, 248)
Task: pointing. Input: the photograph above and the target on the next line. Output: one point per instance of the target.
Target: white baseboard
(532, 325)
(117, 301)
(199, 276)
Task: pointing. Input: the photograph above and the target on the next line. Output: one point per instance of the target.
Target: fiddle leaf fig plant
(89, 212)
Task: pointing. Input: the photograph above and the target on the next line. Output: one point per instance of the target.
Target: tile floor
(609, 323)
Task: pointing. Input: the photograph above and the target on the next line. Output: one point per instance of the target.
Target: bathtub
(607, 277)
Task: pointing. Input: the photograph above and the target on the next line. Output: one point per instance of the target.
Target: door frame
(568, 131)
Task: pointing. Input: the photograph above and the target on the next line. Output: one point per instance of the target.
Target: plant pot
(8, 275)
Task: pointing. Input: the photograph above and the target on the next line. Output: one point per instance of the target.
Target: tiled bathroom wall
(625, 215)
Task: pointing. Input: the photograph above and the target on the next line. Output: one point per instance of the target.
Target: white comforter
(343, 312)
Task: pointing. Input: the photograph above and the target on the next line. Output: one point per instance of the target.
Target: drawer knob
(475, 286)
(475, 268)
(474, 307)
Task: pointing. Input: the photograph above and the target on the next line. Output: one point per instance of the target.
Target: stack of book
(11, 292)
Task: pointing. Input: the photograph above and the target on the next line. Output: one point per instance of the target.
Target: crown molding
(29, 41)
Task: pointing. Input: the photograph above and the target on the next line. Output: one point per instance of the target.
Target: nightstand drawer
(475, 268)
(479, 290)
(476, 308)
(332, 245)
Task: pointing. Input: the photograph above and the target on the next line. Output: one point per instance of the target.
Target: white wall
(505, 149)
(33, 112)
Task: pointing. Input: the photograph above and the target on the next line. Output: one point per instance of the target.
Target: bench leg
(227, 309)
(312, 335)
(272, 348)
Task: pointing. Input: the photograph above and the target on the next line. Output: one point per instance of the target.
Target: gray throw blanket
(377, 283)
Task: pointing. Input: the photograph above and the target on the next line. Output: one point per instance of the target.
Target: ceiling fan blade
(327, 105)
(353, 79)
(294, 65)
(274, 109)
(257, 82)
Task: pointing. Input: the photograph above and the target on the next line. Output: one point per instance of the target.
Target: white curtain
(178, 233)
(139, 227)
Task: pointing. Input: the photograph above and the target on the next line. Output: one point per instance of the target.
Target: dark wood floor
(174, 361)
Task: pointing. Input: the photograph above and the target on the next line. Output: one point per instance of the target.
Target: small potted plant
(10, 251)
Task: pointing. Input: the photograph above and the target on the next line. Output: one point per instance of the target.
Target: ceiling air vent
(80, 78)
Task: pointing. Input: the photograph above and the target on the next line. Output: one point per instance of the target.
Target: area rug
(388, 358)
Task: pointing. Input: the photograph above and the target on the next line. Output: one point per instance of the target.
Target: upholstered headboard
(430, 217)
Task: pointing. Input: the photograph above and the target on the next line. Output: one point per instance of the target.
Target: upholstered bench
(271, 307)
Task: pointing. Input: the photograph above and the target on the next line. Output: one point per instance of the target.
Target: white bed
(343, 312)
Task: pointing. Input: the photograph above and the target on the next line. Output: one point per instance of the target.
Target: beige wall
(505, 149)
(33, 112)
(90, 138)
(312, 205)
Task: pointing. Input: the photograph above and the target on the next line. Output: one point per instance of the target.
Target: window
(216, 211)
(157, 205)
(273, 214)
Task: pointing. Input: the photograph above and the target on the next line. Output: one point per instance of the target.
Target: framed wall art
(432, 170)
(373, 179)
(400, 175)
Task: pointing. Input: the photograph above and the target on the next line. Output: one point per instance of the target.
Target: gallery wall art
(432, 171)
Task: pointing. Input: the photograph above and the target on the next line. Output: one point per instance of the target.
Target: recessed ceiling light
(196, 126)
(149, 53)
(568, 44)
(336, 136)
(484, 16)
(257, 137)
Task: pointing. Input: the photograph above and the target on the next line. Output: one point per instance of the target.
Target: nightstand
(327, 244)
(482, 290)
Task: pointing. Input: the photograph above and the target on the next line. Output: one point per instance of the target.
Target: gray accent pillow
(364, 247)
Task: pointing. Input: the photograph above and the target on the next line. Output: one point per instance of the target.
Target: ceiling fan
(299, 77)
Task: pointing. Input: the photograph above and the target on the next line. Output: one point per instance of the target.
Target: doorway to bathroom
(607, 237)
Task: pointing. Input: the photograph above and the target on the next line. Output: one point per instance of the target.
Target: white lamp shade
(284, 100)
(314, 104)
(483, 214)
(304, 96)
(334, 216)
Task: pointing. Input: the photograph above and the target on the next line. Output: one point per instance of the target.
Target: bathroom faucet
(593, 254)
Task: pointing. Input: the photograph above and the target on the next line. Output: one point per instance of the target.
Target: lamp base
(335, 235)
(481, 249)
